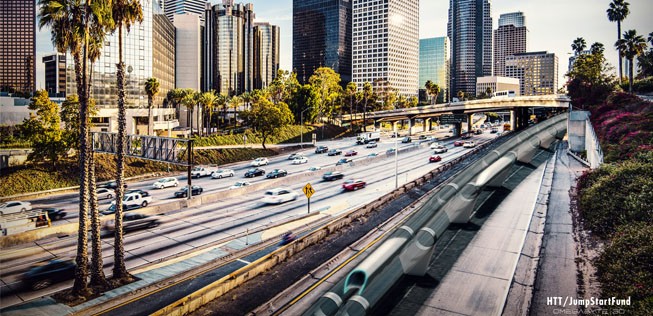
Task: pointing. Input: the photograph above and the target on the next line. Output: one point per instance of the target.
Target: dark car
(277, 173)
(53, 213)
(254, 172)
(183, 192)
(353, 185)
(332, 176)
(351, 153)
(422, 137)
(111, 185)
(406, 140)
(321, 149)
(479, 131)
(458, 143)
(494, 130)
(139, 191)
(343, 161)
(334, 152)
(112, 209)
(466, 136)
(42, 276)
(390, 151)
(134, 221)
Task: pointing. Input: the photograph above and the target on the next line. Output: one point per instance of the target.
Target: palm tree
(617, 12)
(189, 101)
(432, 89)
(235, 104)
(578, 45)
(597, 48)
(247, 98)
(208, 100)
(350, 91)
(630, 46)
(222, 101)
(152, 89)
(367, 94)
(125, 13)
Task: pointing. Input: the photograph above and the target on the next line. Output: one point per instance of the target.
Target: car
(105, 193)
(371, 145)
(372, 155)
(254, 172)
(259, 162)
(439, 149)
(314, 168)
(469, 144)
(112, 209)
(183, 192)
(479, 131)
(276, 173)
(321, 149)
(332, 176)
(458, 143)
(334, 152)
(222, 173)
(421, 137)
(295, 155)
(165, 183)
(466, 136)
(279, 195)
(494, 130)
(199, 172)
(45, 274)
(239, 184)
(435, 158)
(134, 221)
(129, 202)
(343, 161)
(390, 151)
(350, 153)
(111, 185)
(394, 134)
(287, 238)
(299, 160)
(11, 207)
(53, 212)
(406, 139)
(353, 185)
(139, 191)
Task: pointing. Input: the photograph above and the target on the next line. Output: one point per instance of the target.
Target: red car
(435, 158)
(353, 185)
(351, 153)
(458, 143)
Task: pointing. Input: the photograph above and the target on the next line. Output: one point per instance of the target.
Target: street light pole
(396, 162)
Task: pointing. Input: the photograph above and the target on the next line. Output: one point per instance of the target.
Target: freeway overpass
(518, 106)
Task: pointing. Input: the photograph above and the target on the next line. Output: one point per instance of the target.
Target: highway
(191, 228)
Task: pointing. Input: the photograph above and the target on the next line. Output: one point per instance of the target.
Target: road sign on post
(308, 191)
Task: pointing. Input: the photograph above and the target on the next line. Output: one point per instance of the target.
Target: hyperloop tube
(416, 255)
(358, 278)
(496, 168)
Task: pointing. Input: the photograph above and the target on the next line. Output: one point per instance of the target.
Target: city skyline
(548, 25)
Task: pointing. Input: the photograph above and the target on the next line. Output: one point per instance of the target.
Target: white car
(14, 207)
(299, 160)
(166, 183)
(371, 145)
(259, 162)
(222, 173)
(105, 193)
(439, 148)
(469, 144)
(239, 184)
(279, 195)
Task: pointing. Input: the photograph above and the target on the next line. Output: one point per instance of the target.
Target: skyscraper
(55, 74)
(537, 72)
(172, 7)
(17, 46)
(510, 38)
(386, 44)
(322, 37)
(470, 31)
(229, 67)
(434, 64)
(266, 54)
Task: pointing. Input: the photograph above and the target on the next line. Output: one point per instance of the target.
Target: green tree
(236, 102)
(350, 93)
(48, 143)
(306, 97)
(283, 86)
(597, 48)
(189, 100)
(208, 100)
(152, 89)
(461, 95)
(590, 81)
(432, 89)
(578, 46)
(367, 94)
(327, 83)
(412, 102)
(631, 46)
(617, 12)
(125, 14)
(267, 118)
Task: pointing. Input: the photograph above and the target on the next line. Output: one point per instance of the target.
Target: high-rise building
(55, 74)
(229, 46)
(172, 7)
(470, 31)
(510, 38)
(18, 46)
(386, 44)
(148, 51)
(266, 54)
(322, 32)
(434, 65)
(188, 58)
(537, 72)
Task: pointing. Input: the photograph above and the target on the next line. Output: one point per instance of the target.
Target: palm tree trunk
(620, 58)
(191, 122)
(364, 112)
(630, 75)
(150, 118)
(119, 270)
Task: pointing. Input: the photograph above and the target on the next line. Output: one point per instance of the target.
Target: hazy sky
(552, 25)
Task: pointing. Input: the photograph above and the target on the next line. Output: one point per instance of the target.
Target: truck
(364, 138)
(199, 172)
(129, 202)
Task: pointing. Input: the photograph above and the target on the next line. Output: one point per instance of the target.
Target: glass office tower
(172, 7)
(266, 54)
(470, 31)
(18, 46)
(510, 38)
(434, 63)
(537, 72)
(322, 37)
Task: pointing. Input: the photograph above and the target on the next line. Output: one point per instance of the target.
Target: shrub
(625, 268)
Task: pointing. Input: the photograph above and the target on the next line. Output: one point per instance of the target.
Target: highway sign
(308, 190)
(452, 118)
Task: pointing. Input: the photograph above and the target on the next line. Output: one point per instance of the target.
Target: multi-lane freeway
(191, 228)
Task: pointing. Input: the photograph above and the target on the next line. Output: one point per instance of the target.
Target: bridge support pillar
(458, 127)
(513, 120)
(411, 122)
(395, 127)
(427, 125)
(470, 123)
